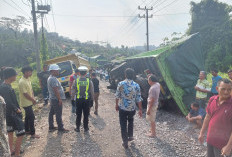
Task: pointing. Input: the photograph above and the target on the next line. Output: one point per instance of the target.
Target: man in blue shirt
(215, 80)
(196, 115)
(127, 95)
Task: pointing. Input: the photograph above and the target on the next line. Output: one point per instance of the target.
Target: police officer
(83, 89)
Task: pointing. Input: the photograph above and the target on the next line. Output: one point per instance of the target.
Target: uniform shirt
(154, 92)
(95, 85)
(82, 93)
(200, 112)
(54, 82)
(8, 93)
(215, 80)
(202, 84)
(220, 125)
(25, 87)
(128, 92)
(43, 76)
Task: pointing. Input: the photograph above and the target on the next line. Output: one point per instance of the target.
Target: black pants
(82, 105)
(213, 151)
(29, 120)
(57, 110)
(126, 130)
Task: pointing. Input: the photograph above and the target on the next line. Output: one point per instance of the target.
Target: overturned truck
(177, 66)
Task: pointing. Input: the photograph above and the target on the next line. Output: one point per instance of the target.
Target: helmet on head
(83, 68)
(54, 67)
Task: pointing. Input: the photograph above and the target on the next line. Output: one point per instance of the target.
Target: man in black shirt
(13, 112)
(43, 78)
(96, 91)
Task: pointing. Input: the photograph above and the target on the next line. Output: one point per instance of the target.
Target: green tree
(210, 18)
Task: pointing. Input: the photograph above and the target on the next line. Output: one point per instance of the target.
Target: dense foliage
(211, 19)
(16, 47)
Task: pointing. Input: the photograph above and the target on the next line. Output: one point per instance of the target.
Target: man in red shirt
(73, 77)
(218, 120)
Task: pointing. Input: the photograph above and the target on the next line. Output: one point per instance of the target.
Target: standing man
(127, 95)
(13, 112)
(153, 102)
(71, 80)
(215, 80)
(57, 96)
(202, 88)
(218, 122)
(96, 91)
(43, 78)
(83, 90)
(27, 100)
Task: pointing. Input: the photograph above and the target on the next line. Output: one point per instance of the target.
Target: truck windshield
(66, 69)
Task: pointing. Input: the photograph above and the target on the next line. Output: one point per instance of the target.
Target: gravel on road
(175, 136)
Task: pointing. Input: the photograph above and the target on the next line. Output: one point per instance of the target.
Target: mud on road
(175, 136)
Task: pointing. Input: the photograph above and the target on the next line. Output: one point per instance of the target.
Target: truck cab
(67, 69)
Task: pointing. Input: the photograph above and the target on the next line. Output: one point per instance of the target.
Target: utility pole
(146, 16)
(38, 68)
(43, 9)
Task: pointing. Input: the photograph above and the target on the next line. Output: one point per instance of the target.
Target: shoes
(125, 145)
(87, 129)
(63, 130)
(35, 136)
(77, 129)
(95, 112)
(45, 103)
(53, 129)
(130, 138)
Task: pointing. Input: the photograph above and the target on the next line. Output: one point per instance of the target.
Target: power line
(27, 4)
(53, 15)
(166, 6)
(46, 22)
(19, 7)
(90, 16)
(15, 8)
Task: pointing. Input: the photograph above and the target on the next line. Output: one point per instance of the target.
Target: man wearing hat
(83, 90)
(13, 112)
(56, 94)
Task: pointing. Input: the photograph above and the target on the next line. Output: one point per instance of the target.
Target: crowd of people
(83, 91)
(213, 116)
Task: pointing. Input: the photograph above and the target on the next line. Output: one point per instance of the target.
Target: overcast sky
(113, 21)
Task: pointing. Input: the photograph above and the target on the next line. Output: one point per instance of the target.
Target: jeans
(57, 110)
(45, 93)
(82, 105)
(29, 120)
(126, 130)
(202, 102)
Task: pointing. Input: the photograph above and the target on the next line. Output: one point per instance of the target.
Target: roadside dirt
(175, 136)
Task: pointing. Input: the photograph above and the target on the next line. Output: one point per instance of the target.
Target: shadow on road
(133, 151)
(97, 122)
(85, 146)
(54, 146)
